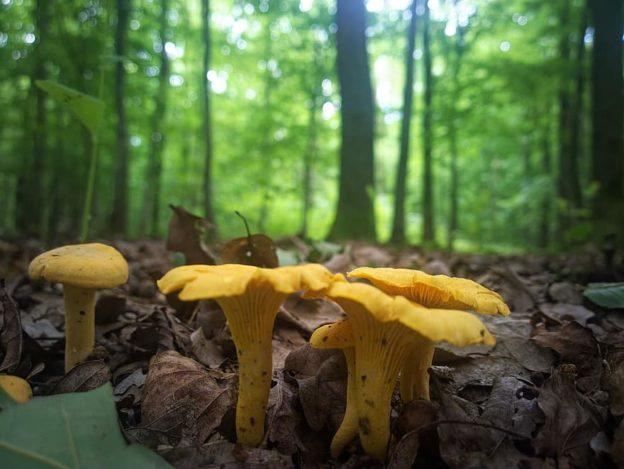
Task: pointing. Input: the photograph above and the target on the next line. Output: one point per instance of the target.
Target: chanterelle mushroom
(250, 298)
(432, 291)
(82, 269)
(384, 330)
(339, 335)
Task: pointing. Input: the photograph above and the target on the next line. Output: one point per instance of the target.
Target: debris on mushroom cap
(17, 388)
(434, 291)
(198, 282)
(92, 265)
(336, 335)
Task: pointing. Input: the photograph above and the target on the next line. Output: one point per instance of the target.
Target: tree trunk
(312, 148)
(398, 224)
(576, 124)
(608, 114)
(30, 196)
(119, 216)
(207, 126)
(568, 184)
(266, 148)
(151, 197)
(355, 217)
(452, 135)
(544, 223)
(428, 214)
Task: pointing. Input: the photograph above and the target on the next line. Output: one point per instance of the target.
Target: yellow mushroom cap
(456, 327)
(17, 388)
(198, 282)
(434, 291)
(337, 335)
(92, 265)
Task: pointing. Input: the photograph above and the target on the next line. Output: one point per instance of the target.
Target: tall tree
(608, 113)
(568, 183)
(30, 197)
(458, 51)
(427, 200)
(206, 122)
(398, 223)
(311, 150)
(355, 217)
(119, 216)
(151, 198)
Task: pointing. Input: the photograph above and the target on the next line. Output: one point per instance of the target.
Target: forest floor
(550, 393)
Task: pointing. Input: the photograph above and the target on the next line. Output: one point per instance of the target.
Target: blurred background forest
(466, 124)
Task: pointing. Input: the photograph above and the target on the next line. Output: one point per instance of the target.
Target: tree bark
(119, 216)
(398, 224)
(608, 114)
(355, 218)
(428, 209)
(452, 135)
(576, 124)
(312, 147)
(545, 205)
(151, 197)
(30, 196)
(207, 125)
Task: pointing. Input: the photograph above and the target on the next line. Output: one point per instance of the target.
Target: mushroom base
(79, 324)
(415, 372)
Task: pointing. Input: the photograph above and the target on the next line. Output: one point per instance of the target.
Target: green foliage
(69, 431)
(272, 68)
(87, 109)
(607, 295)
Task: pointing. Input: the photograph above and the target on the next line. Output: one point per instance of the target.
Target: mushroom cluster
(394, 319)
(382, 336)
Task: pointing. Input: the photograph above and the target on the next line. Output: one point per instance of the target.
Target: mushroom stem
(415, 373)
(348, 429)
(79, 324)
(378, 359)
(251, 319)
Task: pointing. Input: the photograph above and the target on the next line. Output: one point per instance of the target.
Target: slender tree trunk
(452, 135)
(207, 125)
(428, 209)
(398, 224)
(568, 184)
(355, 217)
(608, 114)
(30, 196)
(311, 151)
(157, 142)
(266, 150)
(576, 113)
(545, 205)
(119, 216)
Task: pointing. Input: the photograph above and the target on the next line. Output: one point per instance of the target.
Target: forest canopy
(467, 124)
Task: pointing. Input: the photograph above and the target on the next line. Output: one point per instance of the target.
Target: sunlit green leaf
(69, 430)
(607, 295)
(88, 110)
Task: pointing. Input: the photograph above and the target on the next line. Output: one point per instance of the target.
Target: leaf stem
(86, 211)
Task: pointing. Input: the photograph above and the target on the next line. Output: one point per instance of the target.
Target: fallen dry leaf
(181, 398)
(185, 235)
(85, 376)
(571, 419)
(11, 341)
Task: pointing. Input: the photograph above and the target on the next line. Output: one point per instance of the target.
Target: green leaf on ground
(69, 430)
(88, 110)
(607, 295)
